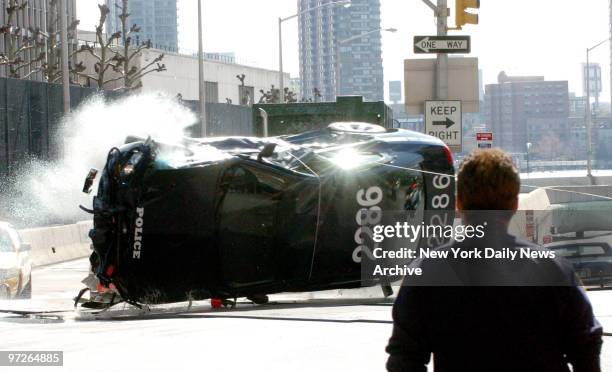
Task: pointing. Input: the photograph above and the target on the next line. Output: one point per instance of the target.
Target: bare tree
(241, 77)
(317, 94)
(290, 97)
(273, 96)
(245, 94)
(132, 75)
(29, 51)
(104, 56)
(23, 52)
(51, 67)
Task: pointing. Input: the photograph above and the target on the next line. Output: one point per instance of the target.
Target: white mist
(50, 192)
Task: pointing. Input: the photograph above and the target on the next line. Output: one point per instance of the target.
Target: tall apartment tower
(527, 109)
(38, 14)
(333, 58)
(157, 20)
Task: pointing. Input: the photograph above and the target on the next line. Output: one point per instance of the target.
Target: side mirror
(267, 151)
(25, 247)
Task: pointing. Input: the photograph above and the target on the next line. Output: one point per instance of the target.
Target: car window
(6, 244)
(14, 235)
(567, 251)
(592, 250)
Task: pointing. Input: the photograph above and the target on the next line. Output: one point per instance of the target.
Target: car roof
(581, 242)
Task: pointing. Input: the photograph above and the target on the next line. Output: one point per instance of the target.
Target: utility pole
(441, 13)
(442, 61)
(589, 119)
(64, 42)
(281, 78)
(201, 72)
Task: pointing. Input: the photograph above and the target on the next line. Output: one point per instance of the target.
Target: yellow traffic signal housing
(462, 15)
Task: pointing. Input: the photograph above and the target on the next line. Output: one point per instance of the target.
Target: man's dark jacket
(494, 315)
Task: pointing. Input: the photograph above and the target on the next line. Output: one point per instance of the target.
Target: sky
(520, 37)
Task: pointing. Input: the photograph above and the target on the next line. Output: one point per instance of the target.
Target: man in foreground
(493, 315)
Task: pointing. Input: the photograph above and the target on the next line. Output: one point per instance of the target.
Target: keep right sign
(443, 120)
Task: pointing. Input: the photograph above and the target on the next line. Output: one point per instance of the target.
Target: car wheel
(259, 299)
(26, 292)
(5, 294)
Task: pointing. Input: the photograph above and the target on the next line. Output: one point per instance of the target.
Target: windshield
(6, 244)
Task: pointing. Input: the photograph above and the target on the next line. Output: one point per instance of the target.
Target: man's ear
(515, 204)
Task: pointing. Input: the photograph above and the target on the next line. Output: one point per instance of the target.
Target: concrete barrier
(530, 184)
(58, 243)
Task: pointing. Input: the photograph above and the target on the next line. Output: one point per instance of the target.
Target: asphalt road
(328, 331)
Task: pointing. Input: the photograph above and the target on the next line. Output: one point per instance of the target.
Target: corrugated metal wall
(29, 116)
(30, 113)
(224, 119)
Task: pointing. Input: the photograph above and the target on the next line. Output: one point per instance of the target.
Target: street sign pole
(442, 60)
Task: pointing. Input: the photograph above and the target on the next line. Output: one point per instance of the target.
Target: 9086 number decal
(441, 205)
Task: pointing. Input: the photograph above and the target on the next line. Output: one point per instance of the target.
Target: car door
(595, 261)
(23, 256)
(9, 267)
(248, 224)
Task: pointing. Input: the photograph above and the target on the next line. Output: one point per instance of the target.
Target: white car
(15, 265)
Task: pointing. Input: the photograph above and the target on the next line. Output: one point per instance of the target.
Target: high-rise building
(157, 20)
(594, 83)
(395, 91)
(334, 59)
(38, 14)
(521, 110)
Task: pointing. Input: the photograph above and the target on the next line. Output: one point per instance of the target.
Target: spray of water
(46, 193)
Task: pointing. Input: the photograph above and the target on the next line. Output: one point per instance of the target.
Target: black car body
(239, 216)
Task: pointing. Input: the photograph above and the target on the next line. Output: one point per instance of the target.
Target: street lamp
(201, 81)
(589, 119)
(345, 3)
(352, 38)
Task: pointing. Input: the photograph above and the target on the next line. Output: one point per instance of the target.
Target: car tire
(26, 292)
(259, 299)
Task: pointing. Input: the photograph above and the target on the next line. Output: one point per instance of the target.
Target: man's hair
(488, 180)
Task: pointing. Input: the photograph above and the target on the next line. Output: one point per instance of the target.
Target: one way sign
(442, 44)
(443, 120)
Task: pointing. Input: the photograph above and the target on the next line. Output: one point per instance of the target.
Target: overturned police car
(246, 217)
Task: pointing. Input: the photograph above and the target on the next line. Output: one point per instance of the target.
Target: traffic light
(462, 15)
